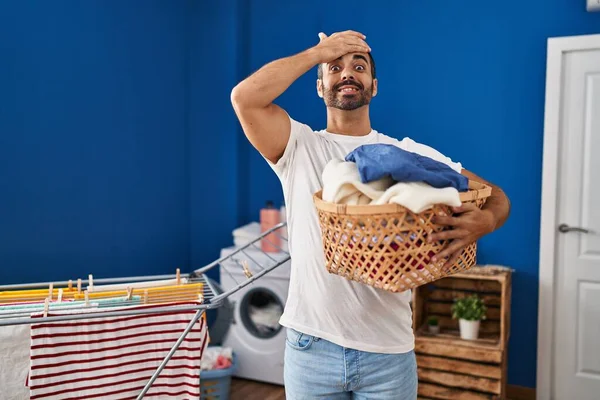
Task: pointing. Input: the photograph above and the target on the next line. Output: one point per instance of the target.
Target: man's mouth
(348, 89)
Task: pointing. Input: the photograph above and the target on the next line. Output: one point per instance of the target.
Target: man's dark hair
(372, 61)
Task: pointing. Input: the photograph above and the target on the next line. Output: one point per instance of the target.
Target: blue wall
(467, 78)
(93, 144)
(216, 182)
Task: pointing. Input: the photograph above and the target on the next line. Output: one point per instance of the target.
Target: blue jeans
(315, 368)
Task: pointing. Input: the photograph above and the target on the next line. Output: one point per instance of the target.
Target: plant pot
(469, 330)
(435, 329)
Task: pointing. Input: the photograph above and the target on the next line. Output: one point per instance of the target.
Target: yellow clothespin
(247, 271)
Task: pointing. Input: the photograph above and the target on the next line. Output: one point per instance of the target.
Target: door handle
(564, 228)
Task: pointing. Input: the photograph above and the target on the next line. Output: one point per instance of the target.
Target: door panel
(590, 210)
(589, 329)
(577, 340)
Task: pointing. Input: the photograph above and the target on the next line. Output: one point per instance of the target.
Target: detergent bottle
(269, 217)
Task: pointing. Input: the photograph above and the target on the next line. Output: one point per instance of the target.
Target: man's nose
(348, 74)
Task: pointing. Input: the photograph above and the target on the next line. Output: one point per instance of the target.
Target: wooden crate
(452, 368)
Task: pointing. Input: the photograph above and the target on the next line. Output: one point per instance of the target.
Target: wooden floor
(242, 389)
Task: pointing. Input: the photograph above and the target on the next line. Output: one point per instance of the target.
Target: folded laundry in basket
(114, 357)
(418, 196)
(377, 161)
(342, 185)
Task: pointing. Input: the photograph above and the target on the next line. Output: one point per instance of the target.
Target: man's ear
(374, 87)
(320, 88)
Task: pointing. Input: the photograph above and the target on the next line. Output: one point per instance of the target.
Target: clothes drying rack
(210, 298)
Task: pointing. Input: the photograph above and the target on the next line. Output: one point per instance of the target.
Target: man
(344, 339)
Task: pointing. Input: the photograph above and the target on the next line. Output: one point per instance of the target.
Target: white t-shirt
(348, 313)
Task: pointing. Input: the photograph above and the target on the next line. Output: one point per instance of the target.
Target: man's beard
(334, 98)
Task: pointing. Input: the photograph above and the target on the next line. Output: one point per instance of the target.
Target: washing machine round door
(260, 309)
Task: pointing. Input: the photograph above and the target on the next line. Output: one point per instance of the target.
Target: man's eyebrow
(358, 56)
(355, 57)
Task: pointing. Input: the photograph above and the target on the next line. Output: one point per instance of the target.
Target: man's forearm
(262, 87)
(498, 205)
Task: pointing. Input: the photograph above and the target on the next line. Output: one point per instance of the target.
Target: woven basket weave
(385, 246)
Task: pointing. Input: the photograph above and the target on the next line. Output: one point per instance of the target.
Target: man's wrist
(312, 56)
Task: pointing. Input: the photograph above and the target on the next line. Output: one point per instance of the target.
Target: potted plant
(433, 324)
(469, 311)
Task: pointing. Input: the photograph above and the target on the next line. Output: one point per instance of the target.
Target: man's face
(347, 82)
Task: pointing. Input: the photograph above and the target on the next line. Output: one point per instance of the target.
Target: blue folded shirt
(376, 161)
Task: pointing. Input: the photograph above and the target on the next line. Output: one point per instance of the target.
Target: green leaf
(471, 308)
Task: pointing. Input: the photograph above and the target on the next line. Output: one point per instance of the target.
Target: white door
(576, 344)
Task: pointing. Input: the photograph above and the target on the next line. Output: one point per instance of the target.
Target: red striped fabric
(114, 357)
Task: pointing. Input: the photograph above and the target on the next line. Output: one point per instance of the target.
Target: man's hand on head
(339, 44)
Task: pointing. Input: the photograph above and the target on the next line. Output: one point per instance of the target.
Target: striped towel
(114, 357)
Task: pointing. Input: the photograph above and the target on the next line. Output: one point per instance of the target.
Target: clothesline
(91, 353)
(108, 315)
(151, 292)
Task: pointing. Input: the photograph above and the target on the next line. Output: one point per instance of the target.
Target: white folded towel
(419, 196)
(342, 185)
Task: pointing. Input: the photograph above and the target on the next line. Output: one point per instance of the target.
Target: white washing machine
(255, 334)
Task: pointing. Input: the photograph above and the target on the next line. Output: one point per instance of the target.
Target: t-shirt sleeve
(427, 151)
(297, 138)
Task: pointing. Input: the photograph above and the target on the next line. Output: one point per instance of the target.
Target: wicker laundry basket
(385, 246)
